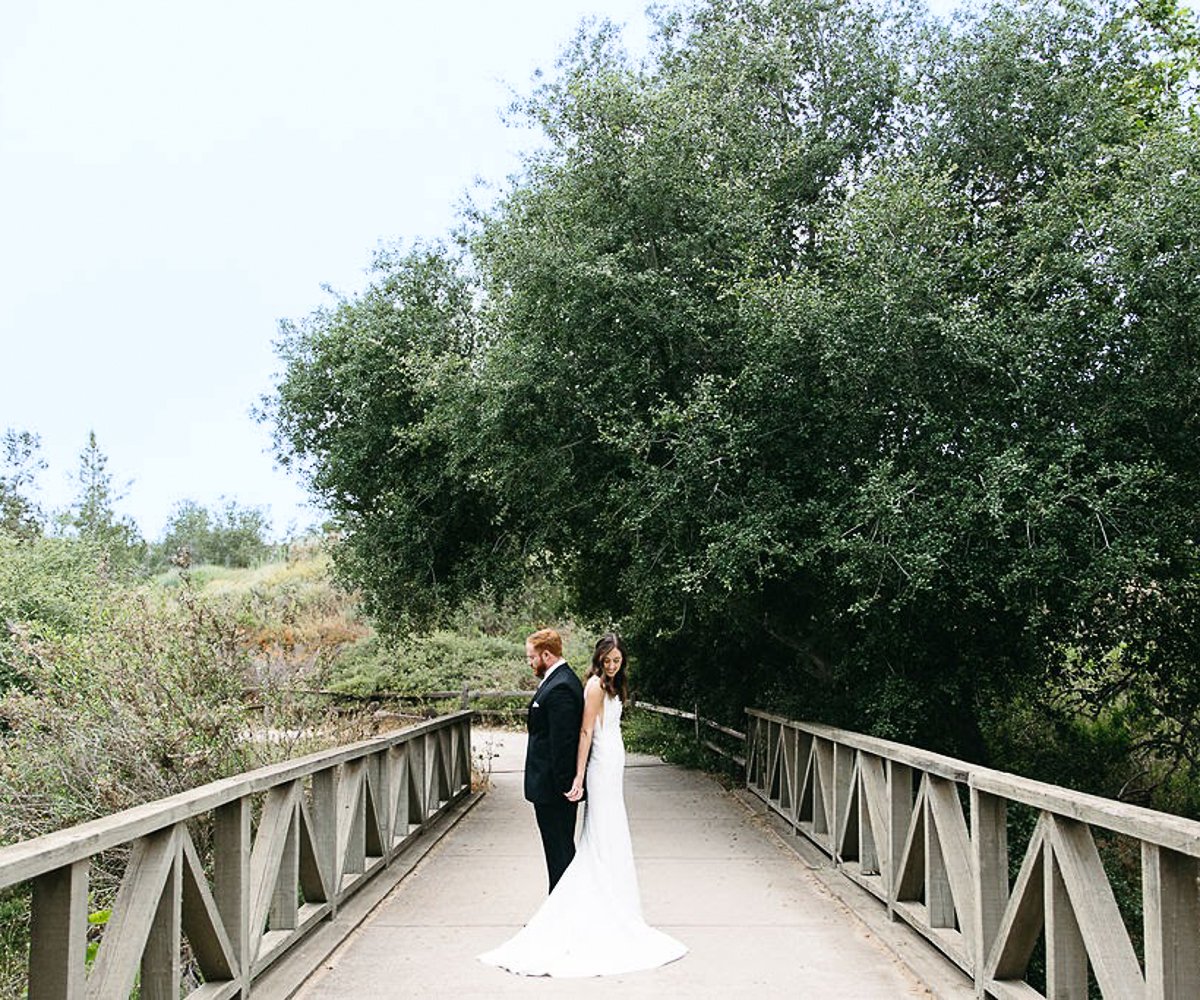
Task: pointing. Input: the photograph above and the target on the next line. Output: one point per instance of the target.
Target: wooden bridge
(845, 866)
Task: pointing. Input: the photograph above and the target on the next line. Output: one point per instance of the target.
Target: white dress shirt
(549, 670)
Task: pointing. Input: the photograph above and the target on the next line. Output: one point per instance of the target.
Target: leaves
(845, 358)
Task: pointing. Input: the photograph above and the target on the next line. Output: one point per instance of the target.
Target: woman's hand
(576, 792)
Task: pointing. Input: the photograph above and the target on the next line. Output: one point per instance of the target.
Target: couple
(591, 924)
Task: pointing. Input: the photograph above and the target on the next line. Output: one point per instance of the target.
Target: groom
(555, 717)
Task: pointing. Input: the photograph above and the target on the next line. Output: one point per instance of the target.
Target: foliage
(846, 359)
(234, 535)
(438, 661)
(145, 704)
(375, 386)
(672, 740)
(443, 660)
(129, 692)
(293, 621)
(92, 517)
(48, 589)
(132, 692)
(14, 944)
(19, 466)
(483, 647)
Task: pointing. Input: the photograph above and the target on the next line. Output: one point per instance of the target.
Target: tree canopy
(231, 535)
(846, 359)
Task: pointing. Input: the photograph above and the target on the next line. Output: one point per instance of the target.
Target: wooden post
(400, 792)
(429, 778)
(231, 878)
(1110, 951)
(788, 780)
(418, 783)
(161, 967)
(1171, 912)
(137, 916)
(900, 807)
(843, 776)
(58, 934)
(284, 901)
(465, 747)
(873, 812)
(1066, 955)
(754, 755)
(354, 814)
(325, 823)
(989, 870)
(441, 773)
(824, 821)
(385, 801)
(868, 859)
(939, 901)
(465, 700)
(375, 843)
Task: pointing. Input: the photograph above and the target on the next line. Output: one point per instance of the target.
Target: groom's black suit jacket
(554, 720)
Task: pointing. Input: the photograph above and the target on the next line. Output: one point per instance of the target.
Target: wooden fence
(703, 727)
(299, 851)
(929, 837)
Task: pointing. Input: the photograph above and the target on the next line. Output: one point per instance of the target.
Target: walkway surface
(757, 921)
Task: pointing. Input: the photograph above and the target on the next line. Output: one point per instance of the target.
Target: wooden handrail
(927, 835)
(329, 824)
(699, 721)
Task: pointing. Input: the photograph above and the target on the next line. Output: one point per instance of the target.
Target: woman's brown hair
(617, 684)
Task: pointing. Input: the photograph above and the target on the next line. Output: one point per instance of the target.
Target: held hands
(576, 792)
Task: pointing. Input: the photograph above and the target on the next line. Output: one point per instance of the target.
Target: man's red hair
(546, 639)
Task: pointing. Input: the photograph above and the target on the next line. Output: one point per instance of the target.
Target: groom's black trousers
(556, 821)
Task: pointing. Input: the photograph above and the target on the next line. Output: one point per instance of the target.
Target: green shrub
(48, 588)
(674, 740)
(447, 659)
(436, 661)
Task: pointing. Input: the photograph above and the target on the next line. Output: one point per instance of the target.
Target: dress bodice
(611, 719)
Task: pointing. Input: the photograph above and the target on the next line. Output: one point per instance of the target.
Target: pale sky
(175, 178)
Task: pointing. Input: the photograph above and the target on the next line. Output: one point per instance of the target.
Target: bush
(145, 702)
(674, 740)
(48, 588)
(482, 646)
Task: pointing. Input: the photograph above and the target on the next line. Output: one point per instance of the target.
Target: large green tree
(844, 359)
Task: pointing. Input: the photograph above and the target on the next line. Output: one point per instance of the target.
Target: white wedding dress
(591, 924)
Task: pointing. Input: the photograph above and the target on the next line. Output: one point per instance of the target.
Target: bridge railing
(705, 729)
(244, 869)
(928, 835)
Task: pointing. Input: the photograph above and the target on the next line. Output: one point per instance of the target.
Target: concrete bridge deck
(759, 922)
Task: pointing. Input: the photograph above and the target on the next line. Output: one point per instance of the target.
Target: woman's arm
(593, 703)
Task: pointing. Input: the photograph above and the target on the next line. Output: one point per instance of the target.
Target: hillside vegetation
(123, 688)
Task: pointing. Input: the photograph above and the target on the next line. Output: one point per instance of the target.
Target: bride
(591, 923)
